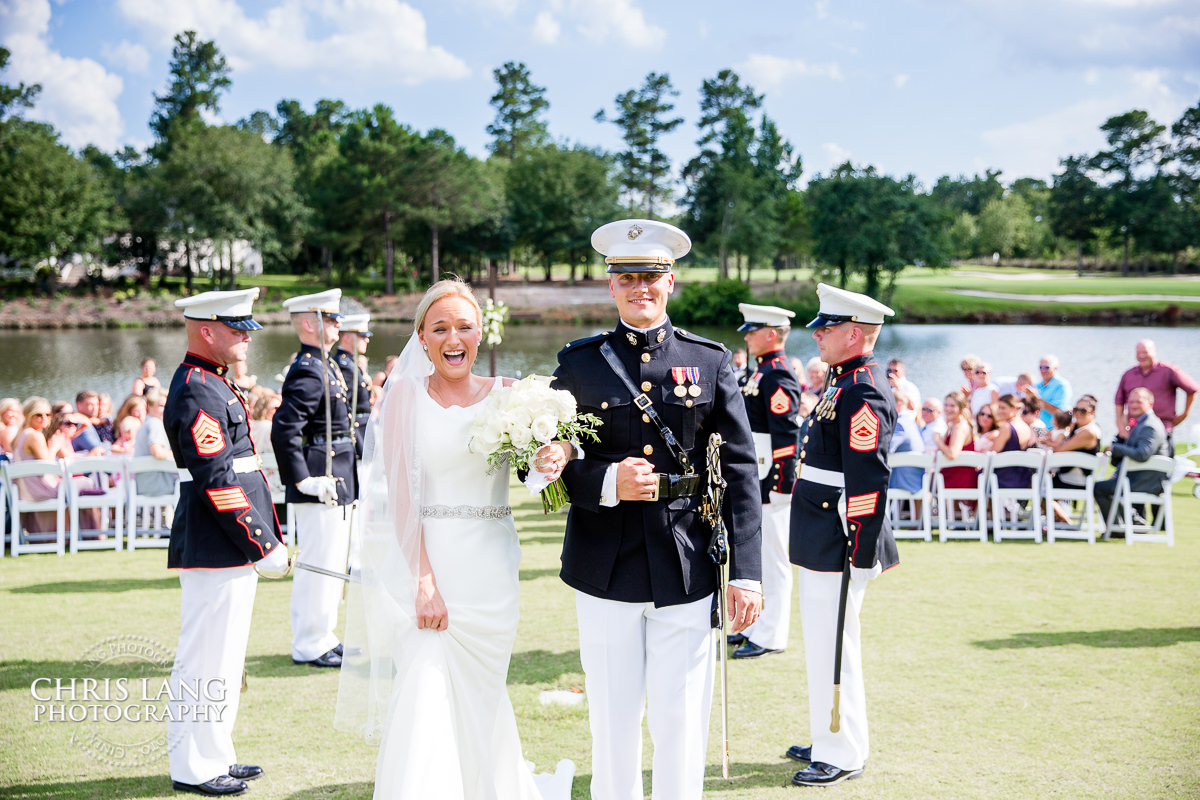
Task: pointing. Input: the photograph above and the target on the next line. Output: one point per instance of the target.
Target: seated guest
(266, 402)
(152, 440)
(134, 406)
(240, 374)
(126, 436)
(983, 391)
(959, 439)
(1147, 437)
(1012, 435)
(897, 376)
(1062, 429)
(1083, 435)
(87, 439)
(906, 438)
(10, 423)
(933, 426)
(46, 437)
(968, 364)
(808, 401)
(815, 371)
(986, 431)
(1030, 413)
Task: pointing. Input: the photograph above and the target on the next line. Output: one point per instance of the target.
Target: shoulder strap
(642, 401)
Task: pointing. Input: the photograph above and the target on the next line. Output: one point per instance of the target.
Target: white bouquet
(517, 420)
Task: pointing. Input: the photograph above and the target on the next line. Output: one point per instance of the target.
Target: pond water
(59, 363)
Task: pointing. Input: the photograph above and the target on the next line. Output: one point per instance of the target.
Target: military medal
(683, 376)
(694, 390)
(680, 390)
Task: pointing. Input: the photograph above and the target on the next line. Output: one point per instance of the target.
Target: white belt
(825, 477)
(241, 464)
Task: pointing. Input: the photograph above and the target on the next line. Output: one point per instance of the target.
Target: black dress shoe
(751, 650)
(799, 753)
(220, 786)
(330, 659)
(735, 639)
(245, 772)
(818, 773)
(338, 650)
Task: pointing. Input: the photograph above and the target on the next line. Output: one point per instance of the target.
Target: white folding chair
(919, 523)
(1162, 528)
(109, 499)
(21, 502)
(156, 511)
(279, 495)
(1088, 523)
(950, 501)
(1017, 511)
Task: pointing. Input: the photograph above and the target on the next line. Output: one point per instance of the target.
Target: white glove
(274, 562)
(322, 488)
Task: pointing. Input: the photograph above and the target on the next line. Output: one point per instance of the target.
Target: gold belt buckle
(657, 484)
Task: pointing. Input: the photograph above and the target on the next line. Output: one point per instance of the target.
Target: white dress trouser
(323, 535)
(771, 629)
(659, 661)
(214, 627)
(819, 591)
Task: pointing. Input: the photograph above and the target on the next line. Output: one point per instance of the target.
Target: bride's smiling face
(451, 336)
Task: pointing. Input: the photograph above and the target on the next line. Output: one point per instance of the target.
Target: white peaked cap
(640, 245)
(232, 308)
(838, 305)
(326, 302)
(764, 317)
(357, 323)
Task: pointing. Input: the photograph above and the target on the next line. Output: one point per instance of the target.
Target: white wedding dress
(450, 730)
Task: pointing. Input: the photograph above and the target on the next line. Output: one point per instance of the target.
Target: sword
(718, 551)
(354, 397)
(294, 563)
(325, 386)
(835, 719)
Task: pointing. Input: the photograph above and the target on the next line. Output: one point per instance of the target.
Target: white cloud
(621, 21)
(386, 37)
(1033, 147)
(78, 97)
(126, 56)
(834, 155)
(545, 29)
(900, 80)
(768, 72)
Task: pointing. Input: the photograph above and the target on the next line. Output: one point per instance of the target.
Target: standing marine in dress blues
(840, 534)
(311, 434)
(636, 547)
(224, 525)
(772, 395)
(353, 339)
(352, 346)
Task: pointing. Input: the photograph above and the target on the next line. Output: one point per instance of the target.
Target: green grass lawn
(993, 671)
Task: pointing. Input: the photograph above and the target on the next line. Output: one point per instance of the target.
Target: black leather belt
(338, 438)
(673, 486)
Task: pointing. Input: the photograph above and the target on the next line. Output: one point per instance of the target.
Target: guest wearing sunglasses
(984, 391)
(1053, 391)
(45, 437)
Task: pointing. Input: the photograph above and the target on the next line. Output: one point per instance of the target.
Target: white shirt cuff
(747, 585)
(608, 490)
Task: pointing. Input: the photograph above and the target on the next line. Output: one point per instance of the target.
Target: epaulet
(597, 339)
(688, 336)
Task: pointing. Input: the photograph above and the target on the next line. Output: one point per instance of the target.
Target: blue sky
(928, 87)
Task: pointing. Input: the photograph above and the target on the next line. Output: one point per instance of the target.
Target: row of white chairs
(130, 517)
(1025, 512)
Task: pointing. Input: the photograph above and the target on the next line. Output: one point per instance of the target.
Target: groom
(636, 547)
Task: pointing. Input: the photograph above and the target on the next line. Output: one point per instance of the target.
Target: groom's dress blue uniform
(656, 551)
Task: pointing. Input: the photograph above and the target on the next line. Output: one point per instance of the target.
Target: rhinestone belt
(466, 512)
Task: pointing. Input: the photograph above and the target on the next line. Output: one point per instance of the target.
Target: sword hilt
(835, 719)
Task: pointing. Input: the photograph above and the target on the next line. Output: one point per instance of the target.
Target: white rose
(543, 428)
(521, 437)
(517, 418)
(488, 438)
(564, 405)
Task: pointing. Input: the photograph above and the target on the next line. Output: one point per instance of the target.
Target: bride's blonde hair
(450, 287)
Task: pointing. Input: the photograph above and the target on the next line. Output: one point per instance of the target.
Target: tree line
(341, 192)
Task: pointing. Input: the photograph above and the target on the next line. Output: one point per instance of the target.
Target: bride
(430, 634)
